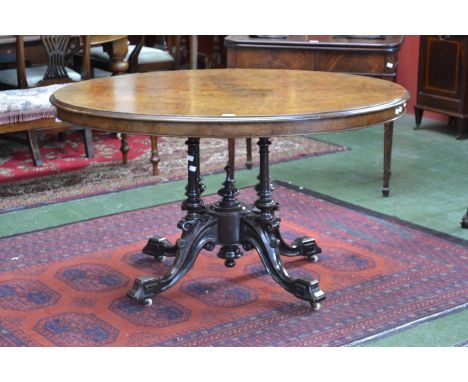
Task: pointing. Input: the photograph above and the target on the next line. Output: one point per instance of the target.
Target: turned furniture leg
(387, 167)
(231, 156)
(124, 148)
(155, 155)
(88, 142)
(33, 143)
(262, 231)
(193, 47)
(117, 51)
(248, 148)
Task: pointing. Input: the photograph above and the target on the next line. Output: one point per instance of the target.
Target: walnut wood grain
(231, 103)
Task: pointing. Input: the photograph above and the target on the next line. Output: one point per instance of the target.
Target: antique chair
(140, 59)
(55, 71)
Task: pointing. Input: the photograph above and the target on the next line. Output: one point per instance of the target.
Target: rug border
(409, 325)
(380, 215)
(392, 219)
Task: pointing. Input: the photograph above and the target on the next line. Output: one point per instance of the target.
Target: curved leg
(202, 234)
(257, 235)
(302, 246)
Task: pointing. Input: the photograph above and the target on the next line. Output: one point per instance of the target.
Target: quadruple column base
(230, 224)
(247, 229)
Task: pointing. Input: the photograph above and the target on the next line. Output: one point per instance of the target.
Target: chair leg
(155, 155)
(124, 149)
(33, 143)
(88, 142)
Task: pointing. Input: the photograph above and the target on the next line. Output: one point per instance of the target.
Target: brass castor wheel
(313, 258)
(148, 302)
(315, 306)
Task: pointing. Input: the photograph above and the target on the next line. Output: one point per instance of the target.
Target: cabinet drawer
(271, 58)
(355, 62)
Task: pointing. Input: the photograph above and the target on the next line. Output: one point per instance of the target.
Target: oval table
(230, 103)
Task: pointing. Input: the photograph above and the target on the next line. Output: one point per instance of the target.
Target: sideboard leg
(418, 114)
(464, 221)
(461, 128)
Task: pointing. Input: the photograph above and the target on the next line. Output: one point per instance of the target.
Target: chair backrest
(171, 49)
(58, 48)
(133, 58)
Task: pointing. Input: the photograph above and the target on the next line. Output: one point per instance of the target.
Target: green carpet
(427, 187)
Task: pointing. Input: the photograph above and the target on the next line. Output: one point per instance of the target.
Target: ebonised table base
(230, 224)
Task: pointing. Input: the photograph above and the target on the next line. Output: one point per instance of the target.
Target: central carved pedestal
(229, 223)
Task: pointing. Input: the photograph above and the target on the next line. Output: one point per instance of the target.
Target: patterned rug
(66, 286)
(68, 173)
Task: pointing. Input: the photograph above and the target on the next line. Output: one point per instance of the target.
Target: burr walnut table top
(230, 103)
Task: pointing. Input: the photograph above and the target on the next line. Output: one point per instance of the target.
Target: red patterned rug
(66, 286)
(67, 155)
(67, 173)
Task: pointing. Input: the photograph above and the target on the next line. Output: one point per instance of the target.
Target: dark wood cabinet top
(230, 103)
(317, 41)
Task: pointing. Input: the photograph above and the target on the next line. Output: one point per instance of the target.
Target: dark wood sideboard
(375, 57)
(443, 79)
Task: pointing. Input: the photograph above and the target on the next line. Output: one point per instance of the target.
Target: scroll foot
(143, 290)
(159, 247)
(302, 246)
(309, 291)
